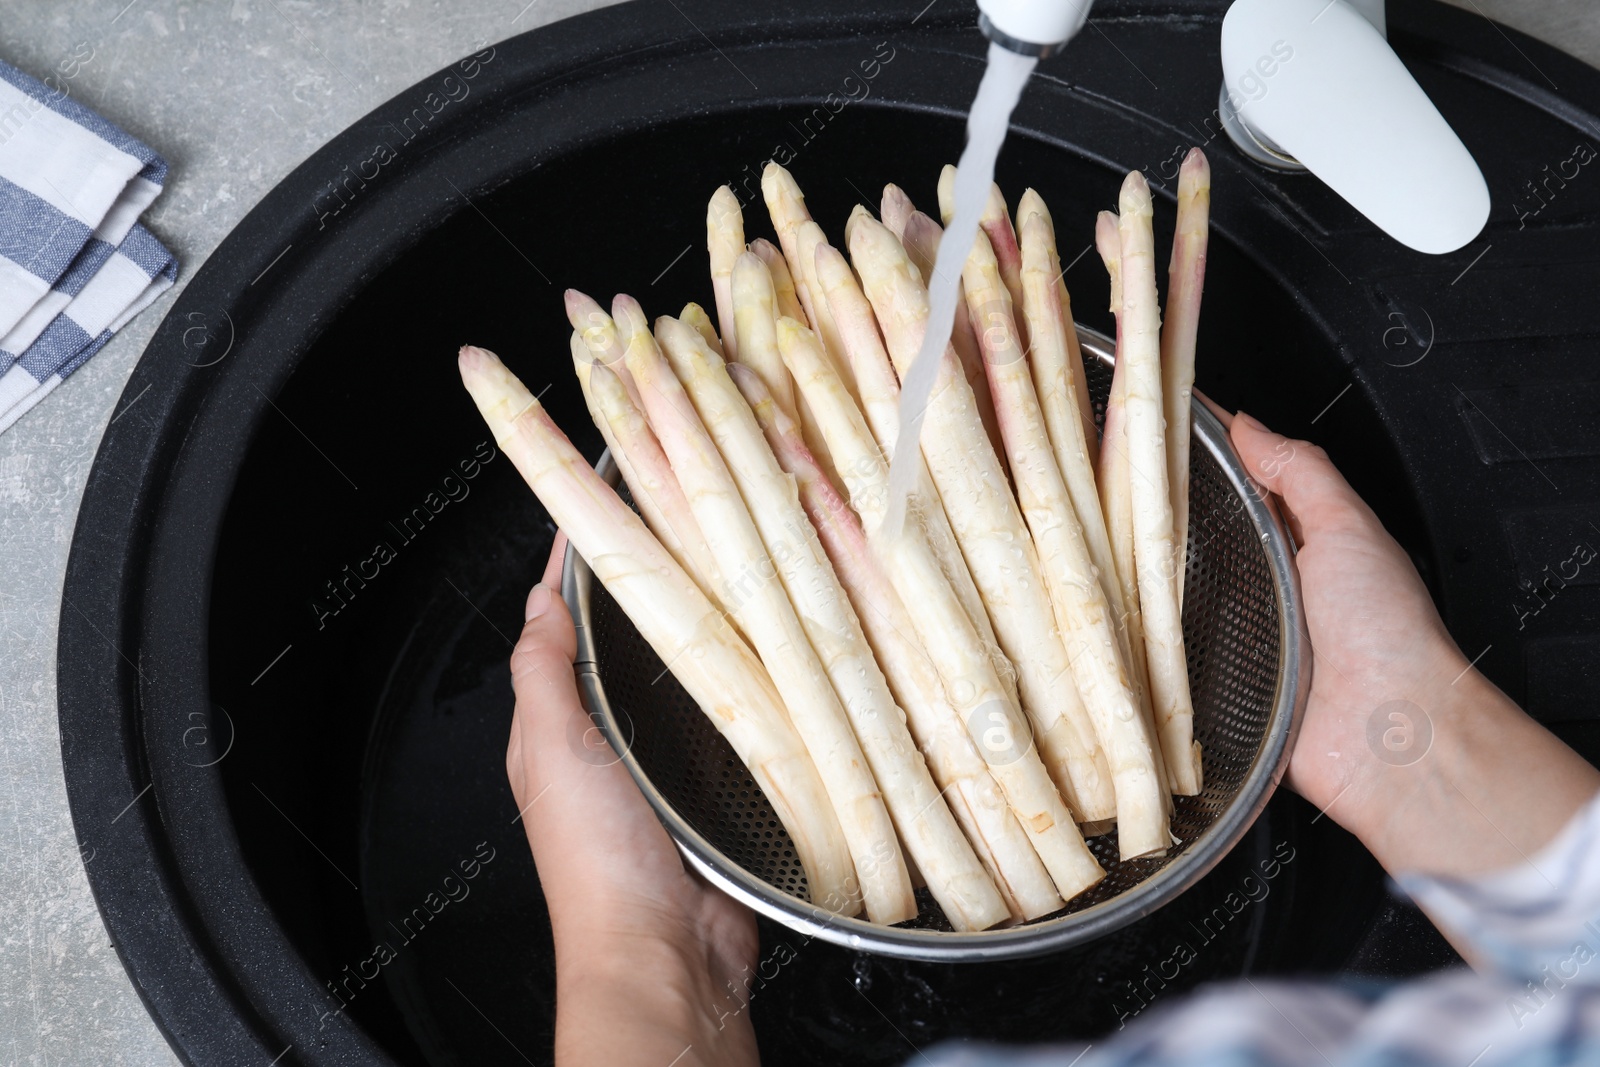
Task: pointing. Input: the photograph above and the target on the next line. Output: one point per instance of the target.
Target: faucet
(1312, 85)
(1038, 28)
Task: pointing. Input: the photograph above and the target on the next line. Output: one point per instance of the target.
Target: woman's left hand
(651, 962)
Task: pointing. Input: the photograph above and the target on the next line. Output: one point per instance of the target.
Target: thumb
(541, 665)
(1318, 497)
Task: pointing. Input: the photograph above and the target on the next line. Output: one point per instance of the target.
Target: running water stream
(1003, 81)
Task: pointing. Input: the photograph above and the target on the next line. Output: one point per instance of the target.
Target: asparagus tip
(580, 306)
(1029, 205)
(832, 267)
(1195, 174)
(947, 191)
(1107, 239)
(895, 206)
(1033, 234)
(723, 203)
(1134, 198)
(858, 214)
(473, 359)
(995, 208)
(776, 180)
(501, 398)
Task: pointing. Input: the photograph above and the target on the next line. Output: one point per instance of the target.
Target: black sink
(300, 563)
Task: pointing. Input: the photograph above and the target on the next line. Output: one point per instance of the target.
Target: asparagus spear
(799, 237)
(696, 316)
(1069, 574)
(988, 526)
(925, 824)
(994, 722)
(724, 243)
(996, 225)
(1115, 499)
(1033, 204)
(644, 467)
(880, 400)
(921, 240)
(595, 338)
(1050, 326)
(1154, 552)
(785, 300)
(964, 781)
(754, 318)
(600, 335)
(895, 209)
(808, 238)
(716, 668)
(767, 361)
(758, 601)
(1186, 275)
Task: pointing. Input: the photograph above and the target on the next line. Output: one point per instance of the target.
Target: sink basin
(298, 571)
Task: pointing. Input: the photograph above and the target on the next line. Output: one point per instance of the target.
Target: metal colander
(1242, 628)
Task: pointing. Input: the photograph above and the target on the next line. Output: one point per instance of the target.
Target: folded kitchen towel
(125, 282)
(74, 264)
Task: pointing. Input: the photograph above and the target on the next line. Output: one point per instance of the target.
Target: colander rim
(1051, 935)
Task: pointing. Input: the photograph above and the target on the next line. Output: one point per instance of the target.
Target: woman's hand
(1403, 743)
(649, 958)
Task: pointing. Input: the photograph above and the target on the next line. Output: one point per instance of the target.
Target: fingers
(542, 677)
(1316, 496)
(588, 825)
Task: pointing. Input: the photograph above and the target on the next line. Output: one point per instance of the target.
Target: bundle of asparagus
(961, 701)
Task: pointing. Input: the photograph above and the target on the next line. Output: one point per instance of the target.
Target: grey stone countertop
(234, 95)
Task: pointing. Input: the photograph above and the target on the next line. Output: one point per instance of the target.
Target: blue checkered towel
(74, 263)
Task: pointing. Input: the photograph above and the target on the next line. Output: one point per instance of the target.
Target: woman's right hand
(1403, 742)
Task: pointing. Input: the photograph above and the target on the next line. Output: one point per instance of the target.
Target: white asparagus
(880, 401)
(894, 209)
(799, 236)
(724, 244)
(1050, 326)
(993, 720)
(696, 316)
(644, 467)
(630, 320)
(767, 617)
(595, 338)
(808, 239)
(926, 827)
(964, 781)
(1030, 205)
(921, 241)
(1115, 500)
(716, 669)
(988, 525)
(755, 322)
(1079, 600)
(1154, 554)
(786, 205)
(600, 334)
(582, 358)
(1055, 378)
(1186, 274)
(786, 302)
(995, 222)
